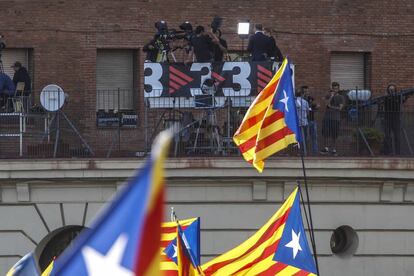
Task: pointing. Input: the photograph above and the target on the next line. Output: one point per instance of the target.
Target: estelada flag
(191, 229)
(26, 266)
(270, 123)
(280, 247)
(186, 261)
(125, 238)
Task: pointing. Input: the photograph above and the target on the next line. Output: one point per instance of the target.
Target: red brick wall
(64, 36)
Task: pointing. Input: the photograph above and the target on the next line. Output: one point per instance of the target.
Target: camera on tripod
(173, 34)
(164, 36)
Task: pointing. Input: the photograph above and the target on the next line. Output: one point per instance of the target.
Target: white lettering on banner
(241, 79)
(197, 67)
(153, 80)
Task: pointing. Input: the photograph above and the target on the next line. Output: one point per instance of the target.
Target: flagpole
(312, 233)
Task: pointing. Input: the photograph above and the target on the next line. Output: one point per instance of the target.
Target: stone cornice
(221, 167)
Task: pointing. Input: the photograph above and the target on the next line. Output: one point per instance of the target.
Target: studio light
(243, 28)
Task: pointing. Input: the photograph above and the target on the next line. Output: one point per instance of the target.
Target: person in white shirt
(302, 110)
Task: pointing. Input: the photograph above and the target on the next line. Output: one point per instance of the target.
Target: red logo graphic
(217, 77)
(263, 77)
(177, 79)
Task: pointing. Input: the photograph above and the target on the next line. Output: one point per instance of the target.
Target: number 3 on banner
(198, 67)
(153, 80)
(241, 79)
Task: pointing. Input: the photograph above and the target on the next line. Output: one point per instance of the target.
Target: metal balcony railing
(204, 124)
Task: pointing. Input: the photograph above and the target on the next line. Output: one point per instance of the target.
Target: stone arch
(53, 244)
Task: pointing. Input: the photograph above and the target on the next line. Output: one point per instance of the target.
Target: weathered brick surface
(64, 36)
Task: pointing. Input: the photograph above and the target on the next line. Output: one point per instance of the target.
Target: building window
(115, 80)
(349, 69)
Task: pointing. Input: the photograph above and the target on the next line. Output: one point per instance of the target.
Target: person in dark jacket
(259, 44)
(21, 75)
(274, 52)
(203, 44)
(392, 120)
(151, 50)
(220, 48)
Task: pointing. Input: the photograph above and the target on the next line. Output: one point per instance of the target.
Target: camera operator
(220, 48)
(151, 50)
(159, 45)
(203, 44)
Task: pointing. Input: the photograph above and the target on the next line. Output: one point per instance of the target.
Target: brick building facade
(64, 36)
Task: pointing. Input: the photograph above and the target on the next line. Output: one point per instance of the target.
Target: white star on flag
(109, 264)
(175, 251)
(294, 244)
(285, 100)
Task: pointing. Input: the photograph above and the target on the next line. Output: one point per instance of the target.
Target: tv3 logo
(154, 72)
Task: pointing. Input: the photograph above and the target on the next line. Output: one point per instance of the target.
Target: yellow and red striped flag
(280, 247)
(169, 234)
(270, 123)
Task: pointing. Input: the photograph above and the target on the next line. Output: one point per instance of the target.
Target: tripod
(56, 119)
(164, 55)
(211, 124)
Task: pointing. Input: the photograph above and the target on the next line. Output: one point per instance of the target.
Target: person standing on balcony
(274, 52)
(203, 45)
(312, 127)
(21, 75)
(259, 44)
(392, 120)
(302, 109)
(331, 121)
(220, 47)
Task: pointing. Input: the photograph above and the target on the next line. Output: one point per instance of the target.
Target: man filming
(203, 44)
(220, 48)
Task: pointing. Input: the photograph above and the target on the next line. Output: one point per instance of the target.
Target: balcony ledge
(211, 167)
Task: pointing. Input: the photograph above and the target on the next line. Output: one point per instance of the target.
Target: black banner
(231, 79)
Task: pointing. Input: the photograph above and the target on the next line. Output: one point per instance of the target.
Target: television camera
(161, 45)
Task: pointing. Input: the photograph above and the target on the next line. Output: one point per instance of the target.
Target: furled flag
(26, 266)
(191, 228)
(280, 247)
(125, 239)
(186, 261)
(270, 123)
(48, 269)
